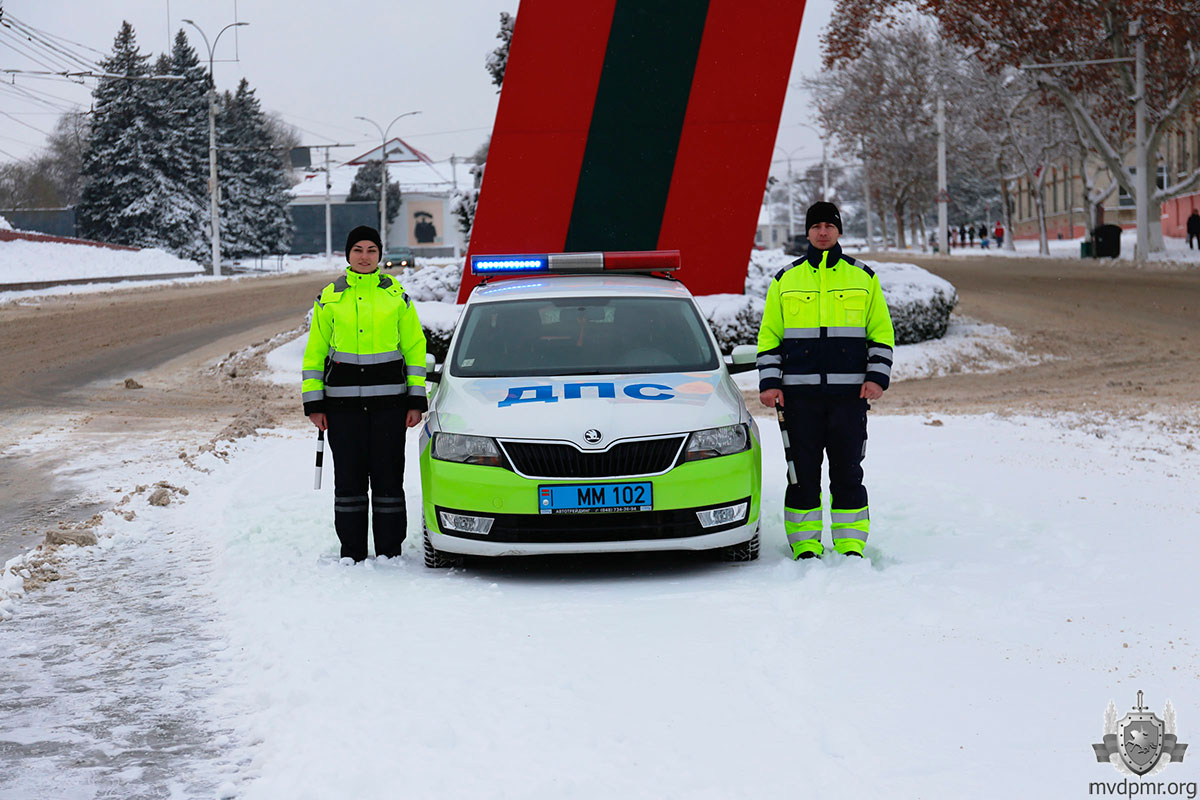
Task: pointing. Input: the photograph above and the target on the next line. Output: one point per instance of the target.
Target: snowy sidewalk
(1023, 572)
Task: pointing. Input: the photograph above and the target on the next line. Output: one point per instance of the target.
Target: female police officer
(364, 382)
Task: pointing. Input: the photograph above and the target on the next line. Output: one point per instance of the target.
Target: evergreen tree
(123, 193)
(497, 60)
(254, 183)
(183, 152)
(366, 187)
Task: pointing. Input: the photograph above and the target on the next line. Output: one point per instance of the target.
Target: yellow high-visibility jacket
(365, 346)
(825, 327)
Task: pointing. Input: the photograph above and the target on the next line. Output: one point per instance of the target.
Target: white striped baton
(787, 445)
(320, 457)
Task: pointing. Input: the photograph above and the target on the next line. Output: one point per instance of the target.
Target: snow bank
(29, 262)
(1175, 251)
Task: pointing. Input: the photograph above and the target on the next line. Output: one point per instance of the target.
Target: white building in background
(426, 191)
(769, 234)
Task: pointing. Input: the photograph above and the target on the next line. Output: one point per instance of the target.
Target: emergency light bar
(577, 263)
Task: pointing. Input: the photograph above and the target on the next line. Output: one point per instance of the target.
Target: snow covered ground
(37, 262)
(1022, 573)
(1176, 251)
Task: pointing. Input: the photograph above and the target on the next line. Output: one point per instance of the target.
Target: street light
(213, 188)
(383, 132)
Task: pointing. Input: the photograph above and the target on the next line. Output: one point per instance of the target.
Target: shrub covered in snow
(435, 279)
(919, 301)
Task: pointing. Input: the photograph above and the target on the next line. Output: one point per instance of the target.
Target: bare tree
(1097, 95)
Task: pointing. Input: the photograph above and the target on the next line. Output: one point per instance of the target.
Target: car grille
(614, 526)
(545, 460)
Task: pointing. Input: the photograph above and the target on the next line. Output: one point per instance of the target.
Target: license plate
(583, 498)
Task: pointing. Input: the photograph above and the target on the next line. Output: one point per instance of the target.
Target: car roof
(607, 284)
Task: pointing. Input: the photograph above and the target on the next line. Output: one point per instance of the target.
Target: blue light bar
(502, 265)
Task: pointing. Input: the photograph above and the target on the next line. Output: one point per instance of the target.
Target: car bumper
(449, 543)
(518, 529)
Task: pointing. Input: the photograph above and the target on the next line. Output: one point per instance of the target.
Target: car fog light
(464, 524)
(722, 516)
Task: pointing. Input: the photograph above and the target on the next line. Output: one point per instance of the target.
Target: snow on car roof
(578, 286)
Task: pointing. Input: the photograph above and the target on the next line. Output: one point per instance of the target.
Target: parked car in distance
(399, 258)
(797, 245)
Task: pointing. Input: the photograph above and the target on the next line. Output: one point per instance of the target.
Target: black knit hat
(821, 211)
(363, 233)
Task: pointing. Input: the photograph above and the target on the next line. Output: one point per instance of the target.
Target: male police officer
(824, 350)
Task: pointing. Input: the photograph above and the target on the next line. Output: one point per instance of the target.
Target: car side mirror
(743, 359)
(432, 373)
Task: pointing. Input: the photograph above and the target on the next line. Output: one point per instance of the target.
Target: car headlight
(467, 449)
(713, 442)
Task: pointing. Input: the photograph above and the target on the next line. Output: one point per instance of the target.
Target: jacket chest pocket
(853, 305)
(800, 309)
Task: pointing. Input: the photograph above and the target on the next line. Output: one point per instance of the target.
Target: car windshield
(582, 336)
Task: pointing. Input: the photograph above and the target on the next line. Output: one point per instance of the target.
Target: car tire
(744, 551)
(436, 559)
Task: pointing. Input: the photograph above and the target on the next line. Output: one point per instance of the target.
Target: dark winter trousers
(1192, 237)
(368, 450)
(816, 425)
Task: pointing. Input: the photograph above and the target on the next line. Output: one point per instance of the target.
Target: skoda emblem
(593, 436)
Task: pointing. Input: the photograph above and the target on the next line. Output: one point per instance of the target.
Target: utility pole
(329, 213)
(214, 188)
(383, 132)
(943, 196)
(866, 175)
(824, 169)
(329, 203)
(1144, 183)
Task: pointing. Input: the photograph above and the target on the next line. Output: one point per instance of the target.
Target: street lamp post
(213, 187)
(383, 132)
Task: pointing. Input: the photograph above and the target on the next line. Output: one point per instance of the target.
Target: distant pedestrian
(1193, 227)
(982, 234)
(998, 232)
(971, 234)
(962, 235)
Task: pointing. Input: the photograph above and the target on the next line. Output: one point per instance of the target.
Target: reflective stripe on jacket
(825, 327)
(365, 346)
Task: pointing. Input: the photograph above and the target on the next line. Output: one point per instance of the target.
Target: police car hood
(567, 408)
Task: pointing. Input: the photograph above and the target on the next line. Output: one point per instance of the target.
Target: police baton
(320, 457)
(787, 445)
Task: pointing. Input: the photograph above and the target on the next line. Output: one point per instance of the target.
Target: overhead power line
(91, 74)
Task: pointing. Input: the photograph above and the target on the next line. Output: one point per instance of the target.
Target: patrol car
(585, 407)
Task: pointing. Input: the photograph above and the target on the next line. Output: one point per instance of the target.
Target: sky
(320, 65)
